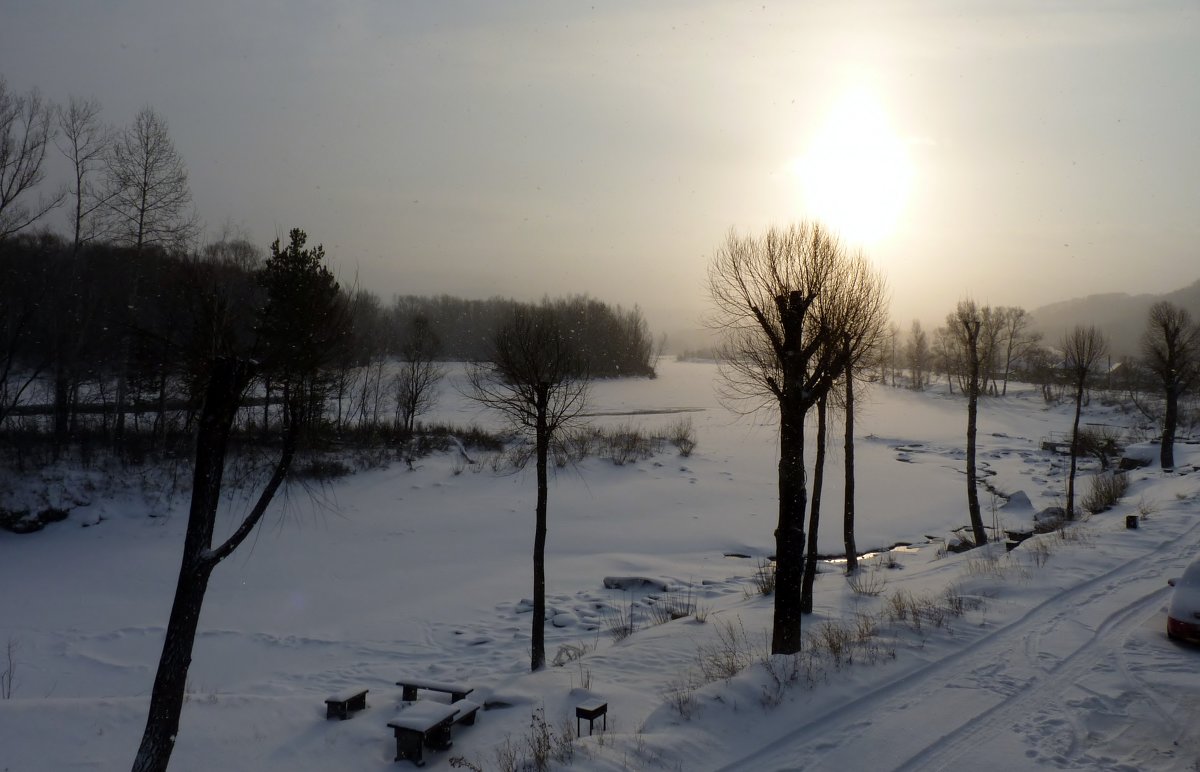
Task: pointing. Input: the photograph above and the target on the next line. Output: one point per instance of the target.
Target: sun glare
(856, 175)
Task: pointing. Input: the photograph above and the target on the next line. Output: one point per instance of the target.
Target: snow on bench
(411, 685)
(591, 710)
(466, 712)
(346, 702)
(425, 723)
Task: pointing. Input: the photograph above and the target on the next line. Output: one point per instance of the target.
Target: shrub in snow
(764, 577)
(682, 435)
(1106, 489)
(869, 583)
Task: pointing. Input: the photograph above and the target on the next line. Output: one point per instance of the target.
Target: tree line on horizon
(82, 313)
(1156, 382)
(81, 335)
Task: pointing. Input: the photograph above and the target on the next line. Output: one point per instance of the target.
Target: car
(1183, 615)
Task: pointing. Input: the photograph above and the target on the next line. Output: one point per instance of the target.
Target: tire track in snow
(926, 698)
(956, 749)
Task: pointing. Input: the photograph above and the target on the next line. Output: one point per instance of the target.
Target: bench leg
(410, 746)
(410, 693)
(438, 738)
(591, 723)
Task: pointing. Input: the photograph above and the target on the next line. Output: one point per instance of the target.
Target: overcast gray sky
(1013, 152)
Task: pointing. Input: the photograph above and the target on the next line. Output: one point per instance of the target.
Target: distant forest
(614, 341)
(84, 329)
(114, 320)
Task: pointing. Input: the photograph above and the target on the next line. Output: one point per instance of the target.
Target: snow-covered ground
(1051, 656)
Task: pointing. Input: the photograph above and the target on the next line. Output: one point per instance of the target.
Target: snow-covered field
(1051, 656)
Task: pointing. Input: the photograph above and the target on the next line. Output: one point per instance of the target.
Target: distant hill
(1122, 317)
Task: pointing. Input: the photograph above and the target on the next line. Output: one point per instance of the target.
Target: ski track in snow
(1013, 685)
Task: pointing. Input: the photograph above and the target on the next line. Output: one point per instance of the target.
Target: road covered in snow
(1083, 679)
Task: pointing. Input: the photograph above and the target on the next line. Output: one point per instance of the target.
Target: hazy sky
(1014, 152)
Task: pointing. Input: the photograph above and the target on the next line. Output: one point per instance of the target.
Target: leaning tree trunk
(221, 400)
(814, 515)
(538, 633)
(848, 508)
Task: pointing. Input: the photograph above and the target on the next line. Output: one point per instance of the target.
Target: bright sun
(856, 174)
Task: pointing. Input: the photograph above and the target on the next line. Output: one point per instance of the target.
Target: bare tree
(859, 345)
(415, 385)
(233, 248)
(990, 333)
(859, 307)
(968, 322)
(84, 142)
(1083, 349)
(538, 381)
(26, 128)
(945, 353)
(1171, 350)
(1040, 365)
(780, 304)
(891, 357)
(301, 321)
(148, 202)
(918, 355)
(1016, 337)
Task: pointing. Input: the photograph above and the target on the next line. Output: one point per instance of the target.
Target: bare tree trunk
(161, 422)
(1074, 450)
(170, 682)
(1008, 357)
(814, 513)
(221, 400)
(972, 429)
(848, 509)
(222, 397)
(121, 397)
(266, 427)
(793, 484)
(538, 633)
(62, 408)
(789, 536)
(1166, 453)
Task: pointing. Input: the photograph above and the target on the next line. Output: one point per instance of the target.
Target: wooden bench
(346, 702)
(591, 710)
(466, 711)
(410, 686)
(421, 724)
